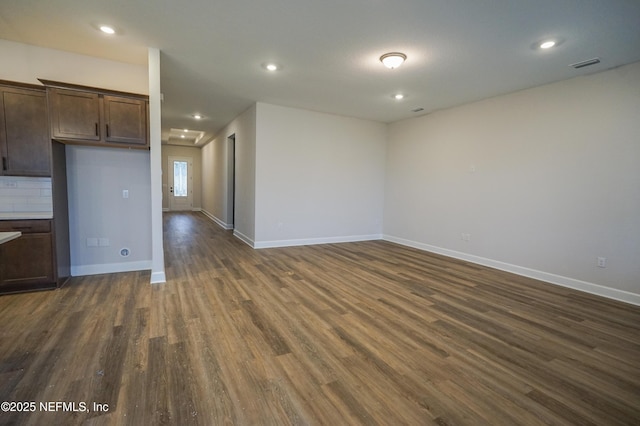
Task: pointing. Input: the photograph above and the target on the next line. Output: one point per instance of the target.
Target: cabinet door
(26, 262)
(75, 115)
(125, 120)
(24, 133)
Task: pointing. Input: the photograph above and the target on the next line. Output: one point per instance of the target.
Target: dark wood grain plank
(356, 333)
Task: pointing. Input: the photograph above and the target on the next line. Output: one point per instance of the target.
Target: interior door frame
(231, 180)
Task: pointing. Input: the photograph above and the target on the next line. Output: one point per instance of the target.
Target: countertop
(25, 216)
(8, 236)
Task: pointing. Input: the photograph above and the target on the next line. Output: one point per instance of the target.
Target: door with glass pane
(180, 182)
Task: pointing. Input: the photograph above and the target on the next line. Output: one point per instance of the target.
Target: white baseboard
(216, 220)
(244, 238)
(193, 209)
(158, 277)
(587, 287)
(110, 268)
(314, 241)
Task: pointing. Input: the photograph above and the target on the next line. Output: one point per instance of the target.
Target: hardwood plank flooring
(357, 333)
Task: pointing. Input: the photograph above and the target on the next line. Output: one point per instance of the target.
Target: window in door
(180, 179)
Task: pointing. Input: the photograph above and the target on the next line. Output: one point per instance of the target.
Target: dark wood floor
(357, 333)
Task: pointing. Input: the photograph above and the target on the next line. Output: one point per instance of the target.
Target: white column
(155, 133)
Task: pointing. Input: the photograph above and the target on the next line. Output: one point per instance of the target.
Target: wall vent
(586, 63)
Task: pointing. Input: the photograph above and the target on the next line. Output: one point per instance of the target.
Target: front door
(180, 183)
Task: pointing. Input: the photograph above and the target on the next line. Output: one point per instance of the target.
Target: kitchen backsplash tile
(25, 196)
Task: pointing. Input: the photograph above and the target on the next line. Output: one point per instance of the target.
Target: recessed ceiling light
(182, 136)
(185, 130)
(271, 66)
(393, 60)
(398, 96)
(107, 29)
(547, 44)
(197, 116)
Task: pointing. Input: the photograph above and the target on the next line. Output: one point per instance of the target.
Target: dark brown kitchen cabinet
(75, 115)
(24, 131)
(91, 116)
(27, 263)
(125, 120)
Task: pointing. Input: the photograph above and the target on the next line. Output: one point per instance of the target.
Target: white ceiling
(213, 50)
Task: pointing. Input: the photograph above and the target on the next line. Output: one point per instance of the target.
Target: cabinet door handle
(96, 129)
(4, 163)
(107, 130)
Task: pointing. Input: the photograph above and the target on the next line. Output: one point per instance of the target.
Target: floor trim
(315, 241)
(216, 220)
(587, 287)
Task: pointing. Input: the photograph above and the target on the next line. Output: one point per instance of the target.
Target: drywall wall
(25, 63)
(215, 176)
(96, 178)
(319, 177)
(541, 182)
(182, 151)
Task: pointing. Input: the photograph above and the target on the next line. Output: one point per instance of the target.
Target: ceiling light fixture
(107, 29)
(547, 44)
(393, 60)
(197, 116)
(271, 66)
(182, 136)
(398, 96)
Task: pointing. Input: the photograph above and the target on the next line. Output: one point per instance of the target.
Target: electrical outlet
(103, 242)
(125, 193)
(466, 237)
(92, 242)
(602, 262)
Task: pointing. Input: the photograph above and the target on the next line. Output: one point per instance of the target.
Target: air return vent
(586, 63)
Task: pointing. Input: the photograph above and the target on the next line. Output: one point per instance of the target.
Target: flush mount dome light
(107, 29)
(393, 60)
(197, 116)
(398, 96)
(547, 44)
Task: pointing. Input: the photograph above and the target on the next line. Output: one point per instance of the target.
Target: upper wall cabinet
(91, 116)
(125, 120)
(25, 144)
(75, 115)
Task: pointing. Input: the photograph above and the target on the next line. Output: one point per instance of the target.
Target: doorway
(231, 181)
(180, 183)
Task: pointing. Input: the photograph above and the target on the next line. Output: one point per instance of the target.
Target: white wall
(26, 63)
(96, 178)
(95, 211)
(544, 180)
(319, 177)
(215, 179)
(182, 151)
